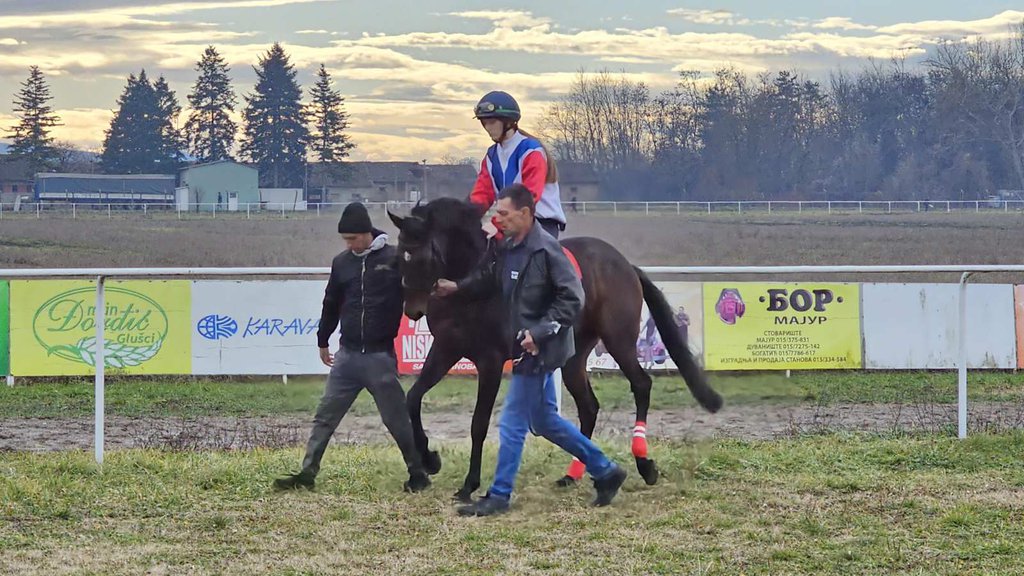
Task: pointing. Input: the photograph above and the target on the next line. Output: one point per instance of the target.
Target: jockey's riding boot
(295, 481)
(608, 486)
(486, 506)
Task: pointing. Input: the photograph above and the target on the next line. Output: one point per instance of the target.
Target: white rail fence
(112, 210)
(103, 274)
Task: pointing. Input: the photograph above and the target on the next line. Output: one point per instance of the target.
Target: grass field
(838, 504)
(694, 239)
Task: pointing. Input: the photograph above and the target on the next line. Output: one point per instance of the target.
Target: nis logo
(799, 307)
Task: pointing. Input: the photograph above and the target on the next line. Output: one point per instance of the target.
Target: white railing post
(709, 207)
(977, 206)
(769, 206)
(739, 207)
(890, 207)
(38, 205)
(647, 208)
(247, 205)
(860, 206)
(74, 211)
(948, 207)
(145, 209)
(99, 357)
(962, 364)
(800, 207)
(678, 212)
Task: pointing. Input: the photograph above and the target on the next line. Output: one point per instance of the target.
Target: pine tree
(275, 128)
(32, 139)
(142, 138)
(171, 141)
(327, 114)
(210, 131)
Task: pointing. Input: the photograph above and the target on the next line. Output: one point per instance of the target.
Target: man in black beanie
(364, 292)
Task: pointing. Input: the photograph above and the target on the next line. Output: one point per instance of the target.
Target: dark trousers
(353, 371)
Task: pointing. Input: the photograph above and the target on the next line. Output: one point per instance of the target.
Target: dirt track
(743, 422)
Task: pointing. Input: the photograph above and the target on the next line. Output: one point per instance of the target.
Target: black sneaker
(608, 486)
(486, 506)
(417, 482)
(295, 481)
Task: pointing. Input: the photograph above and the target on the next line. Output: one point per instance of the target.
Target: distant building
(104, 188)
(224, 184)
(15, 179)
(411, 181)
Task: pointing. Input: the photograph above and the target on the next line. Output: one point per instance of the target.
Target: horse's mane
(457, 223)
(449, 215)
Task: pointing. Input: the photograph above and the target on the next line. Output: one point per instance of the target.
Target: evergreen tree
(142, 138)
(32, 139)
(275, 128)
(327, 114)
(210, 132)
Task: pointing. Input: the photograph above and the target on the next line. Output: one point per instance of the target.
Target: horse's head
(439, 239)
(420, 260)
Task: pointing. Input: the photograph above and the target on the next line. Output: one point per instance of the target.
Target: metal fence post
(962, 364)
(99, 356)
(109, 213)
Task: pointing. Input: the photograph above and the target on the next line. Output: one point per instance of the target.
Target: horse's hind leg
(574, 374)
(624, 353)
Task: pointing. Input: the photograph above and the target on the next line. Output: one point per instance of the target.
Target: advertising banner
(53, 329)
(257, 327)
(916, 326)
(688, 317)
(781, 326)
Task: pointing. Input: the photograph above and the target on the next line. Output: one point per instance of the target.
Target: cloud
(717, 17)
(998, 25)
(841, 23)
(510, 19)
(312, 32)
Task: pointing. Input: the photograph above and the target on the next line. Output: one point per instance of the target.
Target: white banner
(257, 327)
(688, 314)
(914, 326)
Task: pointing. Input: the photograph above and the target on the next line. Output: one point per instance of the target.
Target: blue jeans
(530, 405)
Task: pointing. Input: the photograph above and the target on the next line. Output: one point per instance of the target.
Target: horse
(443, 239)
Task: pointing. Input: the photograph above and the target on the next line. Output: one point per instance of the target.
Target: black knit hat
(355, 220)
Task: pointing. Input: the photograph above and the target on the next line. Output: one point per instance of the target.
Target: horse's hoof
(432, 462)
(464, 496)
(648, 471)
(565, 482)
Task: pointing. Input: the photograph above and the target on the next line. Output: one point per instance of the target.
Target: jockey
(516, 157)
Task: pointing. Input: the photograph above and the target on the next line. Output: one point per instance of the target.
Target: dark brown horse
(443, 239)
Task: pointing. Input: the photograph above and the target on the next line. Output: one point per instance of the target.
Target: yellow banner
(146, 327)
(758, 326)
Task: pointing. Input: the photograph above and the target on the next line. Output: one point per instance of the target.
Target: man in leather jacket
(364, 294)
(544, 297)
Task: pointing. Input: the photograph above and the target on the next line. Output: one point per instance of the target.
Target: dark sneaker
(417, 482)
(486, 506)
(608, 486)
(295, 481)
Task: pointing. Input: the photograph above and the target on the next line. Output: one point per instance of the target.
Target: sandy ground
(742, 422)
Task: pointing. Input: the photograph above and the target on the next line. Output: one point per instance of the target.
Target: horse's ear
(396, 219)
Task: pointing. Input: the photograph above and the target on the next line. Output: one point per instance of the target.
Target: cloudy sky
(412, 70)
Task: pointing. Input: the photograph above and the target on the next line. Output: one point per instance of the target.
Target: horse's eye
(408, 256)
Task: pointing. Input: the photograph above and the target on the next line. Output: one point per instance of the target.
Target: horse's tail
(677, 346)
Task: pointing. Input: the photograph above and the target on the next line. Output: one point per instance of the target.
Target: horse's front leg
(488, 381)
(439, 361)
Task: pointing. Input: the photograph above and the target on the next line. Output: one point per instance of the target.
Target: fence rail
(103, 274)
(112, 210)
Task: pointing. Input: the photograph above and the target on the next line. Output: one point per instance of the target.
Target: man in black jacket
(364, 292)
(544, 297)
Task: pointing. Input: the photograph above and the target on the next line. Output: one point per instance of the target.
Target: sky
(412, 70)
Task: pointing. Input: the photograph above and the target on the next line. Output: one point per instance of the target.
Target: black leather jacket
(546, 300)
